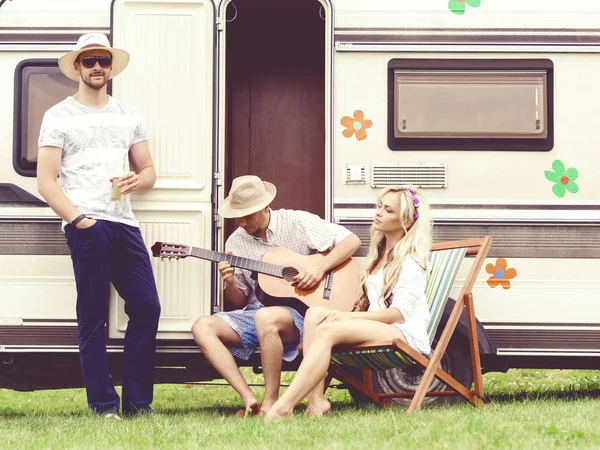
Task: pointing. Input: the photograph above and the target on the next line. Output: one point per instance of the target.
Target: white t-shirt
(300, 231)
(408, 296)
(95, 146)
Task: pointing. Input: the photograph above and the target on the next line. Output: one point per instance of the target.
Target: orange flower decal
(357, 125)
(500, 274)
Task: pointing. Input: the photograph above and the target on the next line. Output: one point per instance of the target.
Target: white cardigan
(408, 296)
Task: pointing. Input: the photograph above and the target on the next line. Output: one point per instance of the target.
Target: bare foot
(252, 409)
(276, 414)
(265, 407)
(317, 408)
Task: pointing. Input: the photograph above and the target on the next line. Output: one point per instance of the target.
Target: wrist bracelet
(78, 219)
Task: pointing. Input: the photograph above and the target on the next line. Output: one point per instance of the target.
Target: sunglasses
(90, 61)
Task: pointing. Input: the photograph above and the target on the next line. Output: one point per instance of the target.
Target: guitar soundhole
(289, 273)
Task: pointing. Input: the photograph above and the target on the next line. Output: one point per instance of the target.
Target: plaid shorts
(242, 322)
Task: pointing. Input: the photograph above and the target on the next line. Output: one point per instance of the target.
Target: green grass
(528, 409)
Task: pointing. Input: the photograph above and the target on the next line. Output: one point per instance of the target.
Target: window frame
(474, 143)
(20, 123)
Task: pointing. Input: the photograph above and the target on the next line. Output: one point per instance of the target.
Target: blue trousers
(104, 253)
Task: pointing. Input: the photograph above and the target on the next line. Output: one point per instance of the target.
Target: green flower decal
(459, 7)
(563, 179)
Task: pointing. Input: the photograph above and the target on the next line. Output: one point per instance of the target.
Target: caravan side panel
(537, 294)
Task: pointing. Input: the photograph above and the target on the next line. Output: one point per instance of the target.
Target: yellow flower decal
(356, 126)
(501, 276)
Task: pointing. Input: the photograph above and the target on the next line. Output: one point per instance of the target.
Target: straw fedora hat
(93, 41)
(248, 194)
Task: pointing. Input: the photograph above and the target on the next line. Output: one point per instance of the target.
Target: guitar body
(345, 285)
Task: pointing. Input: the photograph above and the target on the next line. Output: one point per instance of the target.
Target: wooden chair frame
(479, 249)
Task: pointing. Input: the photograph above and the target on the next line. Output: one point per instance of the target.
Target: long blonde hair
(416, 242)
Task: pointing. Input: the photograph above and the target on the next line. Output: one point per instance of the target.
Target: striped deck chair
(445, 260)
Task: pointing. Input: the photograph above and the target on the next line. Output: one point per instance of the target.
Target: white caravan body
(489, 108)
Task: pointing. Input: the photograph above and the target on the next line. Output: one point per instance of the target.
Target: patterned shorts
(242, 322)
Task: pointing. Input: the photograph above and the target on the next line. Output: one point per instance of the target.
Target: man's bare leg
(212, 334)
(275, 328)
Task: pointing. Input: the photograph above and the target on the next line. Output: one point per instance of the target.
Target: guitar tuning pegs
(162, 259)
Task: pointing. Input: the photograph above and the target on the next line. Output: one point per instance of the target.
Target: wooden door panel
(276, 100)
(287, 139)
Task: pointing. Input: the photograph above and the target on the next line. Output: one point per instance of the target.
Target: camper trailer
(491, 106)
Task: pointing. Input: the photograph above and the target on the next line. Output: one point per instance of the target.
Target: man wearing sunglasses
(87, 141)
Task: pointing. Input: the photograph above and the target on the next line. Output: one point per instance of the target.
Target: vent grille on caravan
(419, 175)
(355, 174)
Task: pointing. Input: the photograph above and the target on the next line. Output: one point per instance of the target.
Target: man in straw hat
(86, 142)
(276, 329)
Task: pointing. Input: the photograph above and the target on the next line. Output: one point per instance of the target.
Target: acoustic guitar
(339, 288)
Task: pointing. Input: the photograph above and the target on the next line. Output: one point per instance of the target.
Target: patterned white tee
(95, 147)
(300, 231)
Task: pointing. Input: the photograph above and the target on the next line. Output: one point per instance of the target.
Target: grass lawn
(528, 409)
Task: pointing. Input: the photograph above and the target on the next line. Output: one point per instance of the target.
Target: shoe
(113, 416)
(135, 412)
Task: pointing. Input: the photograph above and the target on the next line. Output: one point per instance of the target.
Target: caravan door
(170, 81)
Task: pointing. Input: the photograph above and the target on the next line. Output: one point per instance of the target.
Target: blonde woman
(392, 305)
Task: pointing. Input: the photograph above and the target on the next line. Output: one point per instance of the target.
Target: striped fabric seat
(370, 358)
(444, 268)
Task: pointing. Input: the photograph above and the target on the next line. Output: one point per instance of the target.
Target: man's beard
(96, 84)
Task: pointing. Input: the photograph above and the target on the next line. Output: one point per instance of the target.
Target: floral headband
(415, 201)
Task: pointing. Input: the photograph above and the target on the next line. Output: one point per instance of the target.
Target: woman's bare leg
(316, 361)
(317, 403)
(275, 328)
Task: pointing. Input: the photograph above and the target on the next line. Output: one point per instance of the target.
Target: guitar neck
(238, 261)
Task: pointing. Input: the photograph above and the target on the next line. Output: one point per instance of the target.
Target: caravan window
(39, 85)
(470, 104)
